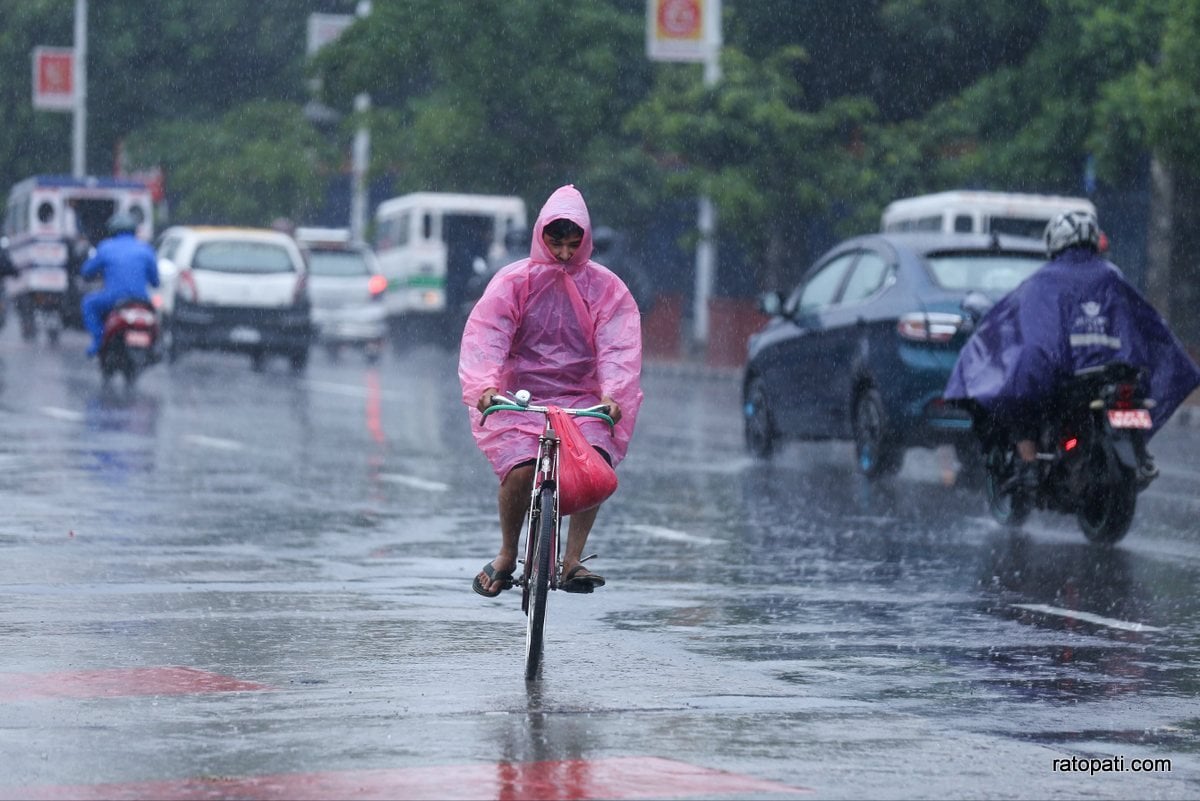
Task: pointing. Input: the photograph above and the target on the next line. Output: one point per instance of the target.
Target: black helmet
(122, 223)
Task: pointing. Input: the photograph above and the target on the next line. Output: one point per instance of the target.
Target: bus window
(963, 224)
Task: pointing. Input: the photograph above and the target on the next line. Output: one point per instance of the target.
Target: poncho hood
(565, 204)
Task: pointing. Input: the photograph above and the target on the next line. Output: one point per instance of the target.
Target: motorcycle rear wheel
(1112, 500)
(1007, 507)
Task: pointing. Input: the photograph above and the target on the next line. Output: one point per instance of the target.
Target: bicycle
(542, 565)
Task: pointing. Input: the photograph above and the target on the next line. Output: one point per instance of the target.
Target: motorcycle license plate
(47, 280)
(137, 339)
(1129, 418)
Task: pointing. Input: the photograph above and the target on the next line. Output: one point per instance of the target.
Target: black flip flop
(489, 570)
(576, 583)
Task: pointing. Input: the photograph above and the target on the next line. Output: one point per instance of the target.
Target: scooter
(1091, 456)
(130, 341)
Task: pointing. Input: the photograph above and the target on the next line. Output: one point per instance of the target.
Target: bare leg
(514, 503)
(580, 525)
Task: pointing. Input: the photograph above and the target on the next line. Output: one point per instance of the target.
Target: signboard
(675, 29)
(54, 78)
(324, 28)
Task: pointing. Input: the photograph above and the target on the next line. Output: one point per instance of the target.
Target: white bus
(980, 212)
(428, 244)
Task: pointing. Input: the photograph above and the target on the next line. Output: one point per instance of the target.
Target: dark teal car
(863, 347)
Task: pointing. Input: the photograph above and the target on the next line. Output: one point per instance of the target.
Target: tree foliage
(827, 109)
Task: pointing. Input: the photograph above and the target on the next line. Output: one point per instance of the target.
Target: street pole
(360, 158)
(79, 82)
(706, 222)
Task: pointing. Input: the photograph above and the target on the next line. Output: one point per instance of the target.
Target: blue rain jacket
(1076, 311)
(127, 264)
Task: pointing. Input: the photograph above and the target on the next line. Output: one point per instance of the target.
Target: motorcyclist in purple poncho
(1076, 311)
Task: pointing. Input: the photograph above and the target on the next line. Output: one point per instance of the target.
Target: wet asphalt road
(229, 584)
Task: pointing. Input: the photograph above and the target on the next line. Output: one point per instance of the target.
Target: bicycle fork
(546, 473)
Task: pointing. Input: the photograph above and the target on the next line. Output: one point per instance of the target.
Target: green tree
(173, 60)
(769, 166)
(1154, 107)
(253, 164)
(493, 97)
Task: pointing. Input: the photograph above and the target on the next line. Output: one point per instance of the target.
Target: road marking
(118, 682)
(62, 414)
(414, 481)
(338, 389)
(352, 390)
(659, 532)
(214, 442)
(1088, 617)
(583, 779)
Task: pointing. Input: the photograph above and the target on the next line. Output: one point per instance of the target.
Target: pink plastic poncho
(528, 332)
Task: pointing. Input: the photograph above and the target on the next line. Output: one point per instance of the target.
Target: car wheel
(298, 361)
(878, 454)
(761, 436)
(169, 342)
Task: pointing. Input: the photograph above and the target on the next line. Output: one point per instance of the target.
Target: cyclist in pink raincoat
(568, 330)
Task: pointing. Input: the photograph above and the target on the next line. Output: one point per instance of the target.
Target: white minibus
(980, 212)
(429, 244)
(50, 221)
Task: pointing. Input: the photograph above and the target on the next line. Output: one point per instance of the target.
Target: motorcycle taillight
(137, 316)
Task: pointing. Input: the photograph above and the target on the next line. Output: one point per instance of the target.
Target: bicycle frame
(534, 586)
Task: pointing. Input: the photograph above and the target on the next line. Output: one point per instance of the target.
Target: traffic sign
(54, 78)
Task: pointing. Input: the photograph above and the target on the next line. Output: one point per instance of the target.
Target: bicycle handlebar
(503, 404)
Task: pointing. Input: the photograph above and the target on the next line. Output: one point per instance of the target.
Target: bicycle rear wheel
(539, 583)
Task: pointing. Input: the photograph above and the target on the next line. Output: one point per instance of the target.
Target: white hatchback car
(347, 292)
(234, 289)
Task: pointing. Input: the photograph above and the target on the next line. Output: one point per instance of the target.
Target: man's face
(563, 248)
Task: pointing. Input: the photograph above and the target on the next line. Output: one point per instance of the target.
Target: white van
(429, 244)
(980, 212)
(50, 222)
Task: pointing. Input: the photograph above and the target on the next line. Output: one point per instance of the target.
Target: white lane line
(414, 481)
(659, 532)
(214, 442)
(348, 390)
(1088, 617)
(62, 414)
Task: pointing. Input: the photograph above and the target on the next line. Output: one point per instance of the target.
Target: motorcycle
(1090, 455)
(130, 341)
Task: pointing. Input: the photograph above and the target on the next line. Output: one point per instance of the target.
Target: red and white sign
(54, 78)
(675, 29)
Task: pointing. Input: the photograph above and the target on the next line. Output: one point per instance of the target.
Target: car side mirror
(771, 304)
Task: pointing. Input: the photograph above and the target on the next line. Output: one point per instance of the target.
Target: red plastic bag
(585, 479)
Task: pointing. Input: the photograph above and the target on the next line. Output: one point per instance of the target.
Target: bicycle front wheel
(539, 583)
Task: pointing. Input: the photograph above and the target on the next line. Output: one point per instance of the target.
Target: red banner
(54, 78)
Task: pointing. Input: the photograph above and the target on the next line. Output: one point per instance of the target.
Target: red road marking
(575, 779)
(117, 682)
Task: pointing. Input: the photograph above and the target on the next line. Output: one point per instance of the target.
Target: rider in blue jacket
(1076, 311)
(127, 265)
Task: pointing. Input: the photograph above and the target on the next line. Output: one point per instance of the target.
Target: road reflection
(1089, 602)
